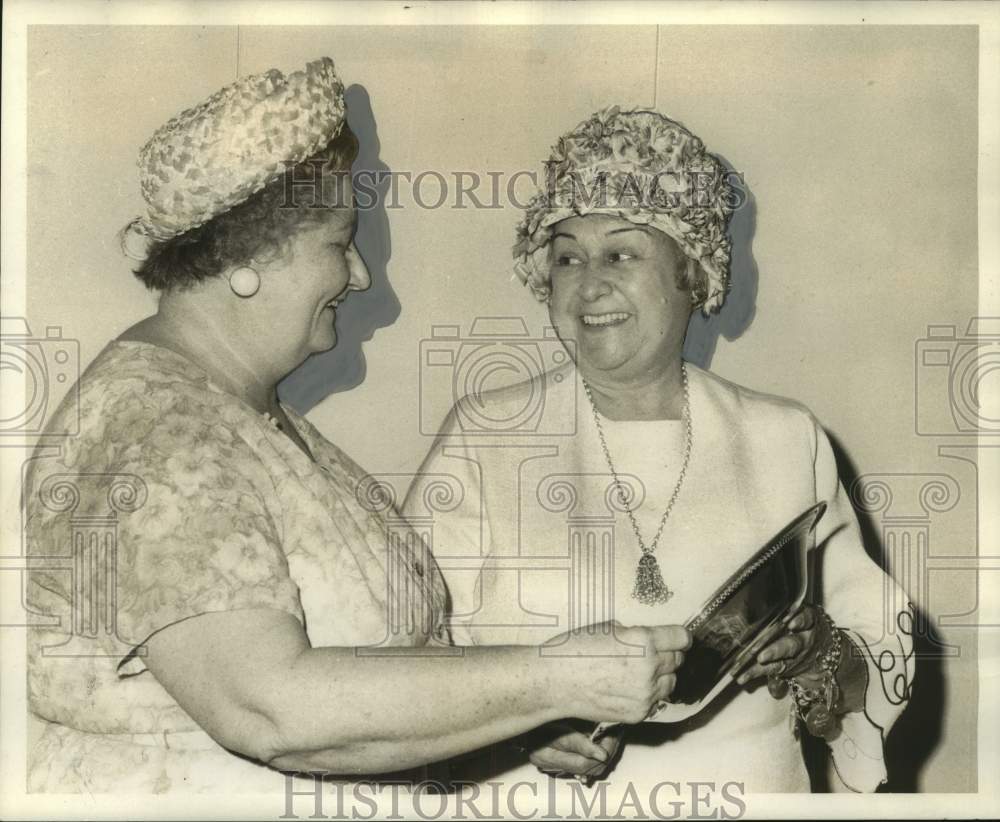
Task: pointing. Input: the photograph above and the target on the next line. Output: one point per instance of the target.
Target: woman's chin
(603, 361)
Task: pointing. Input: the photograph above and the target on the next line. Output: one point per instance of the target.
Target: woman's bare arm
(250, 679)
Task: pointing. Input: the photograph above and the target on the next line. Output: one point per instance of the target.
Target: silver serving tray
(743, 615)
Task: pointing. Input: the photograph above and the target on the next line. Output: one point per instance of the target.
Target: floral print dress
(174, 500)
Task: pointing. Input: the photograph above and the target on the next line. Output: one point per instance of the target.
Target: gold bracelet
(814, 706)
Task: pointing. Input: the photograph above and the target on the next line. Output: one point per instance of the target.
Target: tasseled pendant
(650, 589)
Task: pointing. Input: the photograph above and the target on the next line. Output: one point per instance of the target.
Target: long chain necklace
(649, 589)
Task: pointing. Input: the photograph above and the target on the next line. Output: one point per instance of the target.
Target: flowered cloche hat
(643, 167)
(212, 157)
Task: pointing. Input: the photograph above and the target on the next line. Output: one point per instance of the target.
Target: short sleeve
(204, 540)
(876, 614)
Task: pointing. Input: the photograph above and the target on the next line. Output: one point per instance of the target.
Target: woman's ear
(694, 281)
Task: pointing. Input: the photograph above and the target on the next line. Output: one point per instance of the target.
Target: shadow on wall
(741, 303)
(918, 730)
(343, 367)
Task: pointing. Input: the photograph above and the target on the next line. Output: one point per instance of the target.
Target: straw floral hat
(643, 167)
(212, 157)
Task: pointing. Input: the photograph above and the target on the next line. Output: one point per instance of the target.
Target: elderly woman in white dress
(625, 483)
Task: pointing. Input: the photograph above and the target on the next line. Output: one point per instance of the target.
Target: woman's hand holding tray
(745, 613)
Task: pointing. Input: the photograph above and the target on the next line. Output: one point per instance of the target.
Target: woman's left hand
(795, 652)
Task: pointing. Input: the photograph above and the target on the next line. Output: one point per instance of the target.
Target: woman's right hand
(614, 673)
(564, 748)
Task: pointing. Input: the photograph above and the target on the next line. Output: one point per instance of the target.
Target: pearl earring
(244, 281)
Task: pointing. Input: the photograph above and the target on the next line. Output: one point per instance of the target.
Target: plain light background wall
(859, 145)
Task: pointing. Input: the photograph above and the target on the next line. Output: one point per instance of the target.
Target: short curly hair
(258, 227)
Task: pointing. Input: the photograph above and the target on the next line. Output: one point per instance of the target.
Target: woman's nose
(359, 278)
(594, 285)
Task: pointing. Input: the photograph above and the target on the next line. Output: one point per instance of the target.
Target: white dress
(532, 543)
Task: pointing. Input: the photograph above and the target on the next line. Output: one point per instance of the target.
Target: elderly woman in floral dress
(644, 482)
(247, 579)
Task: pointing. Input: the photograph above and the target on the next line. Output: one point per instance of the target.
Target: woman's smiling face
(615, 293)
(320, 267)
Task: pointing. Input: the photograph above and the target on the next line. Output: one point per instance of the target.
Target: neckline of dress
(607, 422)
(666, 425)
(263, 418)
